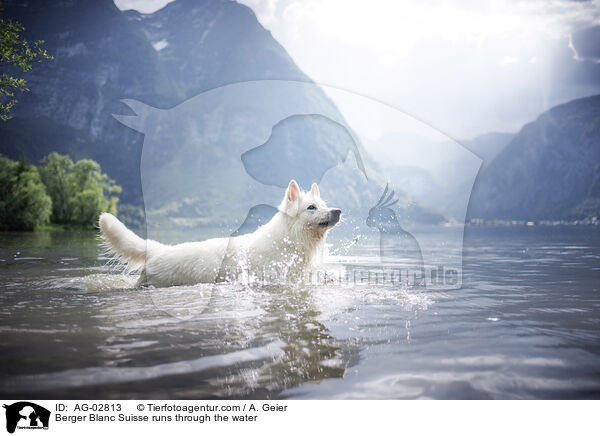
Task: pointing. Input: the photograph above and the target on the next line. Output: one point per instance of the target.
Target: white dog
(289, 243)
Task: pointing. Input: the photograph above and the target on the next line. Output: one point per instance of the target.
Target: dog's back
(163, 265)
(289, 242)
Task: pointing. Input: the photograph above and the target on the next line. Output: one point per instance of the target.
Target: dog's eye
(311, 207)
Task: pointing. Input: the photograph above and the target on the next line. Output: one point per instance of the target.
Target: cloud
(585, 44)
(143, 6)
(466, 67)
(507, 60)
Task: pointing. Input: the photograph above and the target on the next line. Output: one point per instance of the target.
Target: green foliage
(80, 192)
(24, 203)
(59, 191)
(18, 53)
(55, 171)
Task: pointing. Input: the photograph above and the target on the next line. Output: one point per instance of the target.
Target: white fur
(288, 244)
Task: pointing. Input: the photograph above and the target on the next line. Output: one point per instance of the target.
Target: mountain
(163, 63)
(99, 58)
(489, 145)
(437, 171)
(209, 43)
(103, 55)
(550, 170)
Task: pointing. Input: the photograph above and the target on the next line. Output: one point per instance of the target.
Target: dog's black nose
(336, 212)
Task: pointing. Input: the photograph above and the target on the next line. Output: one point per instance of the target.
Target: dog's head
(307, 210)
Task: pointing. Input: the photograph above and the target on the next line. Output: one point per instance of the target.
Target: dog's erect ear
(290, 202)
(314, 190)
(293, 192)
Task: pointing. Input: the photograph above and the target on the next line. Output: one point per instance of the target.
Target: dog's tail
(122, 242)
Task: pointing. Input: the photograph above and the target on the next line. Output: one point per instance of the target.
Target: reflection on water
(526, 324)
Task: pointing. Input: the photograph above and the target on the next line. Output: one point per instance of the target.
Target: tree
(55, 171)
(59, 191)
(93, 193)
(80, 192)
(24, 203)
(15, 53)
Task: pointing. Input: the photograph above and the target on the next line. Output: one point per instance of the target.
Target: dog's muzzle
(334, 217)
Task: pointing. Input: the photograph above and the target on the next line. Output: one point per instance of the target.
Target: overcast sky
(464, 67)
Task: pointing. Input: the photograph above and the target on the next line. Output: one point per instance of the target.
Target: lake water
(525, 324)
